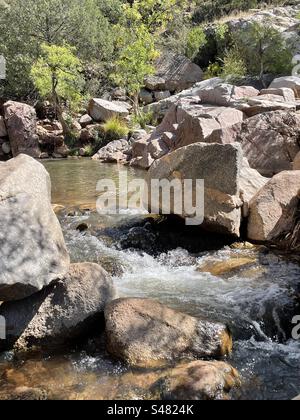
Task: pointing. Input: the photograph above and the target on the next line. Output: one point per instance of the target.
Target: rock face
(174, 73)
(287, 94)
(159, 109)
(273, 208)
(250, 183)
(206, 124)
(61, 313)
(115, 151)
(220, 167)
(225, 94)
(32, 247)
(101, 110)
(21, 126)
(186, 123)
(142, 332)
(265, 103)
(270, 141)
(200, 380)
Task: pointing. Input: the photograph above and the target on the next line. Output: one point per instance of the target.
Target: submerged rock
(61, 313)
(142, 332)
(139, 238)
(200, 380)
(32, 248)
(229, 266)
(24, 393)
(60, 378)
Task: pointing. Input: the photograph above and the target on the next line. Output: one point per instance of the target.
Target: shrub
(213, 70)
(234, 66)
(115, 128)
(185, 40)
(142, 119)
(88, 150)
(196, 40)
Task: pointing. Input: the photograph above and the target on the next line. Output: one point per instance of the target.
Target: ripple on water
(247, 299)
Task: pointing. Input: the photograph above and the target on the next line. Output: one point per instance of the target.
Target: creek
(257, 300)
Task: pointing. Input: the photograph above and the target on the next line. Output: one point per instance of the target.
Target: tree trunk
(58, 108)
(262, 67)
(136, 107)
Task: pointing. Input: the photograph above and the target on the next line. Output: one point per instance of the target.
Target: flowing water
(258, 301)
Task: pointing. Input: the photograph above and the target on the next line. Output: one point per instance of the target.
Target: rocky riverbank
(62, 304)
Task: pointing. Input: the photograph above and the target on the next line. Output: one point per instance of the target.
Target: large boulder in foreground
(61, 313)
(21, 124)
(32, 247)
(199, 380)
(270, 141)
(142, 332)
(273, 209)
(220, 167)
(101, 110)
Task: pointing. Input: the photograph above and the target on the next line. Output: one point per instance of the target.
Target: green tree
(111, 9)
(264, 50)
(185, 40)
(25, 25)
(135, 62)
(155, 15)
(56, 75)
